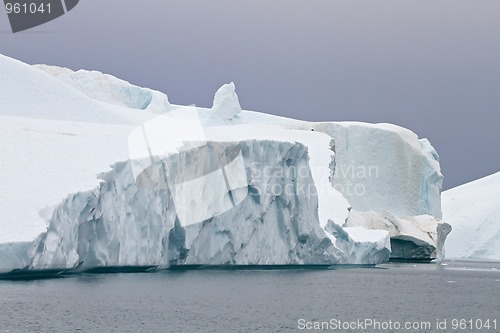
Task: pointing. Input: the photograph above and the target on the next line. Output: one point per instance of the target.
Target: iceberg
(99, 173)
(473, 210)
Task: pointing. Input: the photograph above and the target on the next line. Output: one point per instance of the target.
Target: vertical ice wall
(123, 223)
(385, 167)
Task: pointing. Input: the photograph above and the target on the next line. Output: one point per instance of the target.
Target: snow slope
(31, 93)
(473, 210)
(109, 89)
(244, 174)
(54, 141)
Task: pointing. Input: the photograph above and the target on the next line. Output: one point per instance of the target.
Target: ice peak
(226, 104)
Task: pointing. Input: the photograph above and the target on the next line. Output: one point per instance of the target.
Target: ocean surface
(255, 300)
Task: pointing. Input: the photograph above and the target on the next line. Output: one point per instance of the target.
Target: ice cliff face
(385, 167)
(214, 186)
(126, 223)
(393, 182)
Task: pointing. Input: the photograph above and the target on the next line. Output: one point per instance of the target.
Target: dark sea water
(256, 300)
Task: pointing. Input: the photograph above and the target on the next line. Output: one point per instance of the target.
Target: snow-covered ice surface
(54, 141)
(473, 210)
(72, 197)
(109, 89)
(43, 161)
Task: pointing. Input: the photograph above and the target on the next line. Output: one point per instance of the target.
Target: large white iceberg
(185, 185)
(473, 210)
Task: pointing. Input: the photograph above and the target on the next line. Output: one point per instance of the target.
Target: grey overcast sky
(431, 66)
